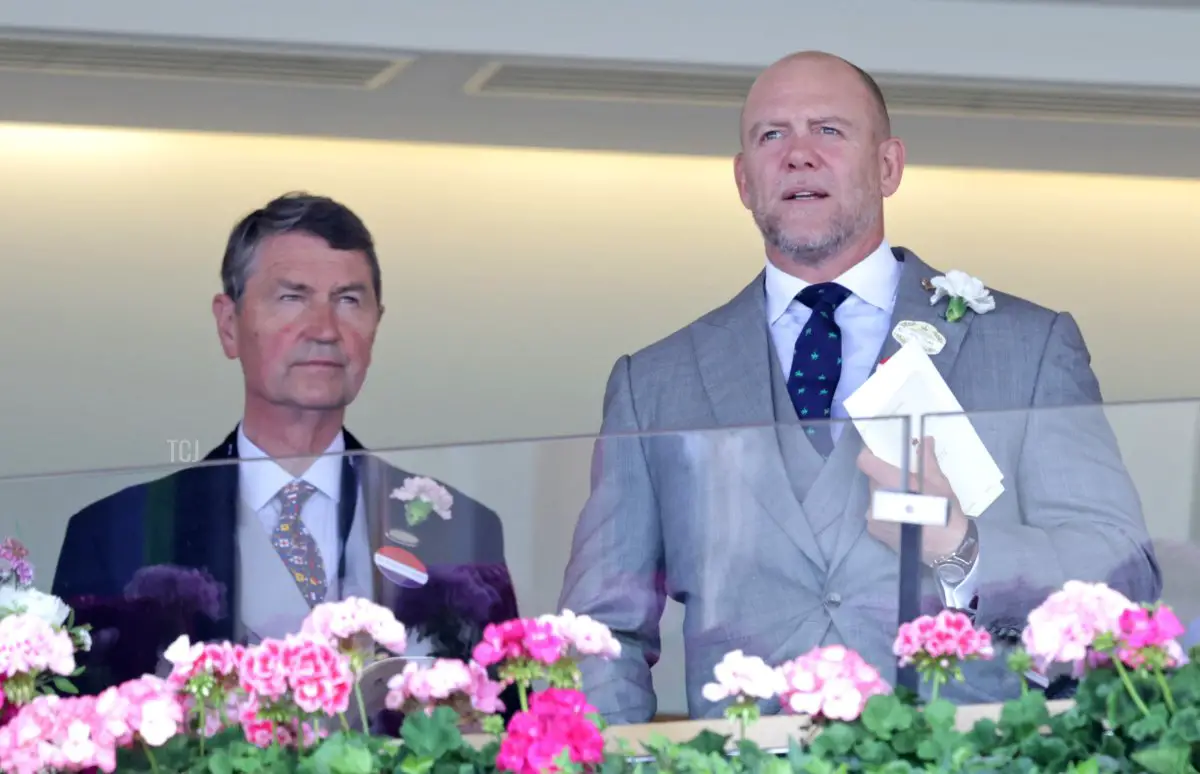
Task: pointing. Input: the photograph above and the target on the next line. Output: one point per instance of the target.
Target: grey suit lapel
(732, 351)
(912, 303)
(733, 355)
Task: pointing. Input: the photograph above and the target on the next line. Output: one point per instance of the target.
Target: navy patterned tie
(817, 362)
(296, 545)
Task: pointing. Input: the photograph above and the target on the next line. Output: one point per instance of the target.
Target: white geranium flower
(964, 291)
(741, 676)
(47, 607)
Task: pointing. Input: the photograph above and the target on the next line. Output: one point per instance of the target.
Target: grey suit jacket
(698, 494)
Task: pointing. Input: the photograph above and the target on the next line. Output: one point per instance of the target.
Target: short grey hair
(296, 212)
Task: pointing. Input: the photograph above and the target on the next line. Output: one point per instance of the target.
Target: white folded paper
(909, 384)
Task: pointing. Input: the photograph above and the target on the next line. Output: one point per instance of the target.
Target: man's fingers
(881, 474)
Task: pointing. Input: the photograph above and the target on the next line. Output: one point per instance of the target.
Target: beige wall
(512, 279)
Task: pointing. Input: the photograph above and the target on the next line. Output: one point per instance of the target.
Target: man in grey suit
(761, 529)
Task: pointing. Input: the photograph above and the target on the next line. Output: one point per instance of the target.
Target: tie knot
(828, 294)
(297, 493)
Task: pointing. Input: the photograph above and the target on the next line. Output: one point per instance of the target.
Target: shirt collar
(874, 279)
(260, 481)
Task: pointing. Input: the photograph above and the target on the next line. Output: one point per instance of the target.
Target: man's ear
(891, 165)
(739, 177)
(225, 314)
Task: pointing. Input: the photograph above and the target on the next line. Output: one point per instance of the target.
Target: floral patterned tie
(296, 545)
(817, 362)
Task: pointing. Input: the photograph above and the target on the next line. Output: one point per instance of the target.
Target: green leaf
(835, 740)
(1049, 753)
(1185, 684)
(63, 685)
(874, 752)
(219, 762)
(1150, 726)
(940, 745)
(895, 767)
(417, 511)
(1173, 759)
(432, 736)
(1112, 746)
(1024, 716)
(493, 725)
(354, 760)
(886, 714)
(613, 764)
(707, 742)
(1186, 724)
(940, 714)
(955, 309)
(1091, 697)
(772, 765)
(415, 764)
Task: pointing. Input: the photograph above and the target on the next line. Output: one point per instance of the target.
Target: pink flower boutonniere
(421, 497)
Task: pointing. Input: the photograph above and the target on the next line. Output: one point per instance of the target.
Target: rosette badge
(401, 567)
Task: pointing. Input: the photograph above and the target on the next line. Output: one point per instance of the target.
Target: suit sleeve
(82, 561)
(614, 573)
(1081, 515)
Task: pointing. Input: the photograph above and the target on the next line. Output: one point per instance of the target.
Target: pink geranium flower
(462, 686)
(310, 670)
(30, 645)
(832, 682)
(587, 636)
(83, 733)
(520, 638)
(558, 721)
(939, 645)
(319, 676)
(1064, 628)
(352, 624)
(1147, 636)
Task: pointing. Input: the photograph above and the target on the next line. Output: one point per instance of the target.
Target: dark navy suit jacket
(159, 559)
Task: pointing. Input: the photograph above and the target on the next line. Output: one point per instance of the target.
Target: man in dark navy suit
(289, 510)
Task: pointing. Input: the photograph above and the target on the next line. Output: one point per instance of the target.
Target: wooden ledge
(769, 733)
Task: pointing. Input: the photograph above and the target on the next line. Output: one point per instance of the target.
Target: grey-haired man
(294, 522)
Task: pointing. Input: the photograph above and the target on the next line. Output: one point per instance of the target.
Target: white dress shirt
(260, 479)
(865, 318)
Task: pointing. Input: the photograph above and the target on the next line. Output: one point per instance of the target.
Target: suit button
(833, 599)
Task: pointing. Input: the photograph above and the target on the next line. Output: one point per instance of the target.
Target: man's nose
(802, 155)
(322, 322)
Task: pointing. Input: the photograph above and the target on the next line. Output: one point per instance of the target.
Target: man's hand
(936, 541)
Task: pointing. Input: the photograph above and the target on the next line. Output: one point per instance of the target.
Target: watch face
(951, 574)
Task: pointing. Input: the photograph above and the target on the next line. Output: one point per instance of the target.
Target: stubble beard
(815, 251)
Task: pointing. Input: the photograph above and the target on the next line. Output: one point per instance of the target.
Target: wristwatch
(952, 569)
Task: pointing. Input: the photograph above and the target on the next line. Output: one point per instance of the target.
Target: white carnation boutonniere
(964, 291)
(421, 497)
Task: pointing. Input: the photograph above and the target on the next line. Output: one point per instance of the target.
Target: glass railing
(689, 545)
(1100, 494)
